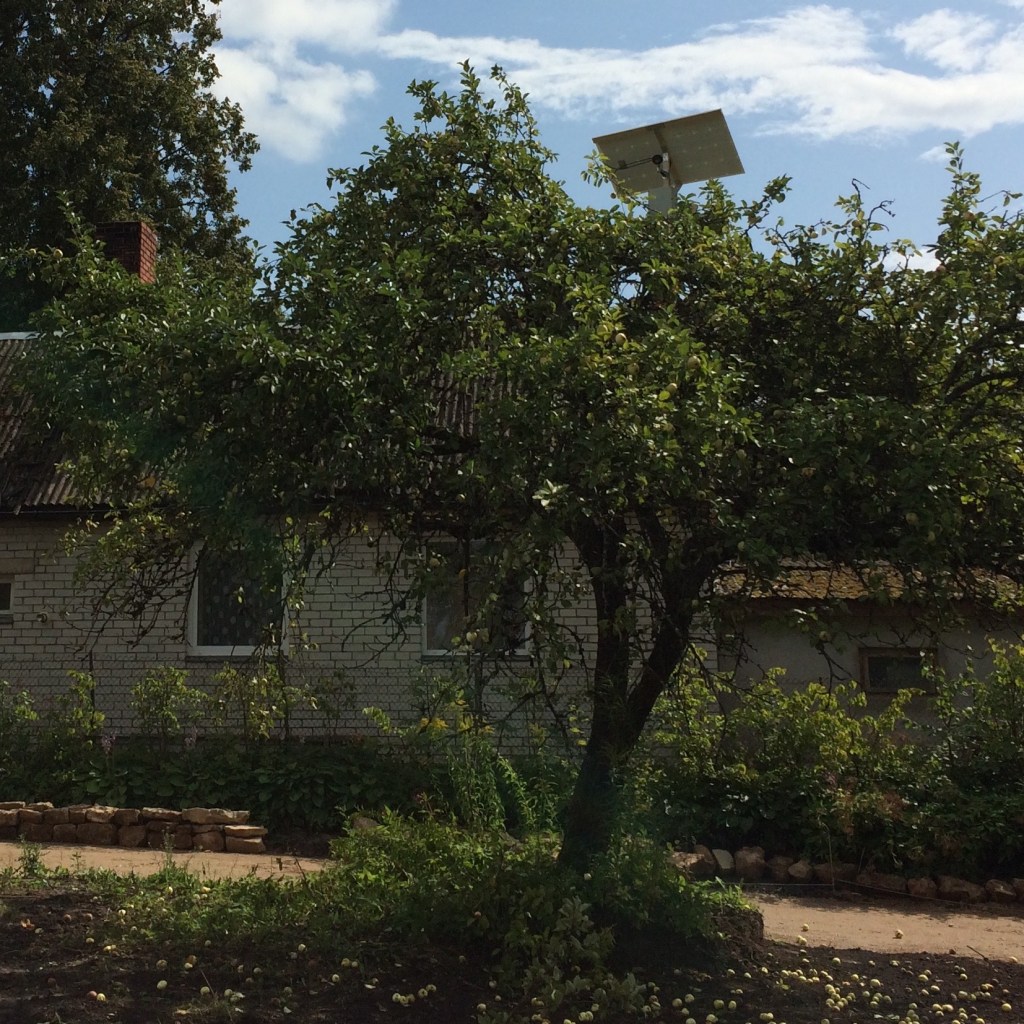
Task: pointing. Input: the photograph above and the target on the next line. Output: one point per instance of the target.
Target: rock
(8, 817)
(922, 887)
(159, 839)
(76, 813)
(725, 863)
(211, 842)
(65, 833)
(801, 871)
(57, 816)
(11, 805)
(882, 881)
(951, 888)
(160, 814)
(234, 845)
(104, 815)
(40, 805)
(8, 833)
(750, 865)
(1018, 887)
(131, 835)
(362, 823)
(689, 864)
(127, 816)
(778, 867)
(1000, 892)
(97, 833)
(177, 837)
(36, 832)
(830, 872)
(29, 816)
(214, 816)
(244, 831)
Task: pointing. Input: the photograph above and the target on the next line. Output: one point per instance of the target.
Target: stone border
(208, 829)
(749, 865)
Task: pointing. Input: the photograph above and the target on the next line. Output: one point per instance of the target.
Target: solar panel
(671, 153)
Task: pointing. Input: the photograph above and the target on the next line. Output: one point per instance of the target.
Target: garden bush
(801, 769)
(804, 771)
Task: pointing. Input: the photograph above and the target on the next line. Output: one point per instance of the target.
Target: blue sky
(822, 93)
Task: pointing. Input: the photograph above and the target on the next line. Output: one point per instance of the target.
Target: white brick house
(344, 632)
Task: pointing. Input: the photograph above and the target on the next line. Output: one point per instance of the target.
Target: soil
(950, 961)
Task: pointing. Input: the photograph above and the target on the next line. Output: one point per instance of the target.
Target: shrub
(17, 718)
(474, 781)
(802, 770)
(549, 928)
(165, 706)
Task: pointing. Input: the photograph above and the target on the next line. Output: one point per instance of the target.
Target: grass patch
(425, 921)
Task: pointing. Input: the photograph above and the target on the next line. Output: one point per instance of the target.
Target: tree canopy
(454, 346)
(107, 112)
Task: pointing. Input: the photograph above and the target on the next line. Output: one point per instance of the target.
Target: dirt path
(883, 925)
(989, 931)
(148, 862)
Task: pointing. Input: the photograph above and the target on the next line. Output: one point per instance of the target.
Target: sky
(822, 93)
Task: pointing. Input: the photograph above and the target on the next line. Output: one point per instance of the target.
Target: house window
(889, 669)
(6, 597)
(465, 609)
(230, 613)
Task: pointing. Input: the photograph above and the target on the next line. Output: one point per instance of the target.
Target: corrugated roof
(812, 580)
(30, 477)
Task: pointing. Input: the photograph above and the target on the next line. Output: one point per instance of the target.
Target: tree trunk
(594, 805)
(592, 812)
(620, 711)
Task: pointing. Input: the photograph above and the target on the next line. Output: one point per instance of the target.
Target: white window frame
(521, 650)
(197, 650)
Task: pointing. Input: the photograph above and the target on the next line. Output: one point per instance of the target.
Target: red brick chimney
(133, 244)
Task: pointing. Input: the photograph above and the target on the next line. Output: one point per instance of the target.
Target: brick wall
(342, 632)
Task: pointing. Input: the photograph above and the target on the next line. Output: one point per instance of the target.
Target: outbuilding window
(889, 669)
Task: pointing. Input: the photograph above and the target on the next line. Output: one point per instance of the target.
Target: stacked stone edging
(206, 829)
(749, 864)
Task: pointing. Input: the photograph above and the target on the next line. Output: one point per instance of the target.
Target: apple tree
(627, 408)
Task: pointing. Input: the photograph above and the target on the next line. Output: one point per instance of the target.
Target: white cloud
(935, 155)
(337, 25)
(814, 70)
(271, 63)
(914, 260)
(737, 62)
(952, 41)
(293, 105)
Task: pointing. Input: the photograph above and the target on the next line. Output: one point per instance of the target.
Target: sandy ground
(883, 925)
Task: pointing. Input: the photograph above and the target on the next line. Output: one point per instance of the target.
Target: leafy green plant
(165, 706)
(17, 718)
(256, 701)
(801, 769)
(71, 728)
(979, 738)
(479, 784)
